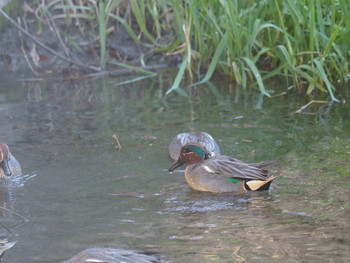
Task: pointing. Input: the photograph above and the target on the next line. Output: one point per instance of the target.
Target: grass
(302, 40)
(247, 41)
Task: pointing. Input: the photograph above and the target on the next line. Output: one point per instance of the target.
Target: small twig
(126, 71)
(8, 229)
(13, 212)
(25, 32)
(115, 139)
(25, 54)
(25, 220)
(311, 102)
(53, 28)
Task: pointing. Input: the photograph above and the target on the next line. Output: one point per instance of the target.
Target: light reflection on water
(85, 193)
(18, 181)
(213, 202)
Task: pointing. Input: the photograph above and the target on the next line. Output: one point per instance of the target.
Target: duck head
(191, 153)
(4, 158)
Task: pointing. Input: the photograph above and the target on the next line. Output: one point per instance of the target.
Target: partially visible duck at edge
(9, 166)
(202, 138)
(113, 255)
(220, 174)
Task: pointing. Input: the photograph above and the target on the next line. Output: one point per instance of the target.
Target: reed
(248, 41)
(302, 40)
(102, 31)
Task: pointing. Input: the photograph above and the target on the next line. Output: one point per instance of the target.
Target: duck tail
(265, 163)
(258, 185)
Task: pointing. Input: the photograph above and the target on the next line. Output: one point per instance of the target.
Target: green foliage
(303, 40)
(306, 41)
(11, 8)
(102, 30)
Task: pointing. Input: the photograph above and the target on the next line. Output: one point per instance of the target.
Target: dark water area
(79, 191)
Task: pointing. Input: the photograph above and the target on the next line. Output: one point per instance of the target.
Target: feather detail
(233, 180)
(230, 167)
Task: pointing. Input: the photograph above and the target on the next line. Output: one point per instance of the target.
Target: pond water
(79, 191)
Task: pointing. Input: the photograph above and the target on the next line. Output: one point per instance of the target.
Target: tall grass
(307, 41)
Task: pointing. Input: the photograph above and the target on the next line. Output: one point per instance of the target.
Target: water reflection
(205, 202)
(10, 219)
(89, 194)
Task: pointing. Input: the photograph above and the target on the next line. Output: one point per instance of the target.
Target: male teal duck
(113, 255)
(9, 166)
(202, 138)
(219, 174)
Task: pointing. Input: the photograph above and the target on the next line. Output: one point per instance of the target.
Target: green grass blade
(135, 79)
(303, 70)
(214, 62)
(236, 72)
(286, 55)
(102, 28)
(137, 69)
(312, 37)
(139, 15)
(292, 5)
(331, 40)
(257, 75)
(53, 4)
(325, 79)
(69, 7)
(127, 27)
(179, 76)
(285, 34)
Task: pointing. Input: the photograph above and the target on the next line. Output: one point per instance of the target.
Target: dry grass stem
(309, 103)
(115, 139)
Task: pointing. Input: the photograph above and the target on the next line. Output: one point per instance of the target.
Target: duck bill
(176, 165)
(6, 167)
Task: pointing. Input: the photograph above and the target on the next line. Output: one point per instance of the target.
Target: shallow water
(79, 191)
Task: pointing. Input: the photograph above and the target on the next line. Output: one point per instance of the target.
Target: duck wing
(228, 167)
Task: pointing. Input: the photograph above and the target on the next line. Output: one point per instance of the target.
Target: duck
(9, 166)
(203, 138)
(221, 174)
(113, 255)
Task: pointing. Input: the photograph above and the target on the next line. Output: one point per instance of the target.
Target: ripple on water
(213, 202)
(17, 181)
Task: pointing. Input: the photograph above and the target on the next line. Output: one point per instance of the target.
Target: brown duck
(222, 173)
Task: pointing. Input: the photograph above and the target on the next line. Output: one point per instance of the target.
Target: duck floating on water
(219, 174)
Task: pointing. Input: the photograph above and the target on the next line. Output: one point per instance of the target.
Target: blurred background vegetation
(306, 42)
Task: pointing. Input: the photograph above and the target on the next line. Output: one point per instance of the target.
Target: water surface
(79, 191)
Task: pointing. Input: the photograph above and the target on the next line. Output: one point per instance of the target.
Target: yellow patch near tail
(256, 184)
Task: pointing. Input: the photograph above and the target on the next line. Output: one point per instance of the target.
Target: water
(79, 191)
